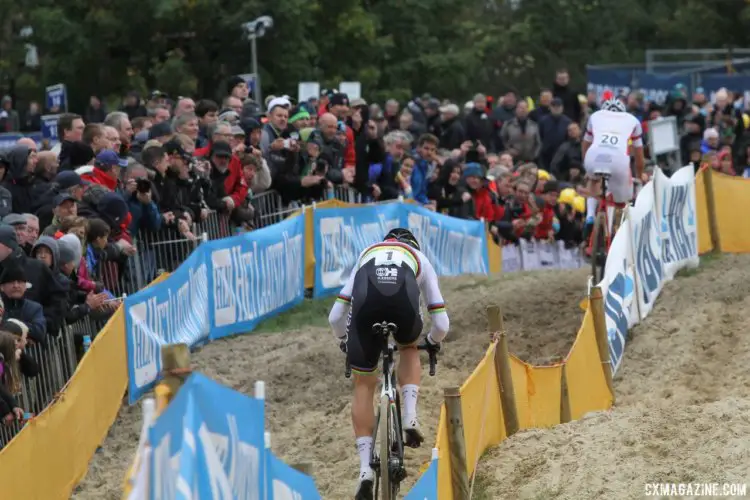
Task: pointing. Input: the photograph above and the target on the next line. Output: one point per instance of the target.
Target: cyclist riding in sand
(385, 285)
(606, 151)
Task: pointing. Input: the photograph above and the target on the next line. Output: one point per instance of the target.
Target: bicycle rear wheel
(385, 426)
(599, 247)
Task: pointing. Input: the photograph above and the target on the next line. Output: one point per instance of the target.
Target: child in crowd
(10, 378)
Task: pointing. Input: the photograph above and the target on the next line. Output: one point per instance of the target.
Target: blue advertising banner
(8, 140)
(286, 483)
(208, 443)
(426, 487)
(655, 87)
(618, 81)
(738, 83)
(256, 275)
(173, 311)
(56, 98)
(49, 127)
(453, 246)
(340, 236)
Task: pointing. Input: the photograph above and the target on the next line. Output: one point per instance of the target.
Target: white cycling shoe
(365, 486)
(413, 437)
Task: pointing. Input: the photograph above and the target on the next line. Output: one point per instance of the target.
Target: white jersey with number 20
(610, 134)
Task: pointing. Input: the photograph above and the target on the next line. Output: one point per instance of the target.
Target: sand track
(682, 412)
(308, 396)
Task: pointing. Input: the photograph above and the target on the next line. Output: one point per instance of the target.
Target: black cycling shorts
(381, 293)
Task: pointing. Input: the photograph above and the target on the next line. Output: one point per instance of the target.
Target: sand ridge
(308, 398)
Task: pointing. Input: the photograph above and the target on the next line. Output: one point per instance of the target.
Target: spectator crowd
(160, 169)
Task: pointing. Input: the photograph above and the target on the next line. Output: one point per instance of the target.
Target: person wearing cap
(485, 202)
(13, 284)
(299, 117)
(237, 139)
(106, 170)
(18, 180)
(452, 133)
(227, 180)
(325, 98)
(65, 205)
(553, 131)
(161, 132)
(68, 183)
(18, 223)
(237, 87)
(81, 302)
(180, 198)
(338, 106)
(549, 224)
(275, 144)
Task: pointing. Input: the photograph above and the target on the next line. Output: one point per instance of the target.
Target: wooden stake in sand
(600, 327)
(564, 401)
(713, 221)
(502, 370)
(175, 362)
(456, 443)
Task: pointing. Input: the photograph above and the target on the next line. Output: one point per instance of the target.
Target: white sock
(591, 205)
(409, 395)
(364, 447)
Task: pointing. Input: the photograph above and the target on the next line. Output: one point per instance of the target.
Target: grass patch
(707, 260)
(311, 312)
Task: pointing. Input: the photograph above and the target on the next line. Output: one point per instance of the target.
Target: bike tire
(599, 247)
(384, 431)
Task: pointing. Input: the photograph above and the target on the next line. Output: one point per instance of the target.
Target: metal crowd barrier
(57, 361)
(156, 253)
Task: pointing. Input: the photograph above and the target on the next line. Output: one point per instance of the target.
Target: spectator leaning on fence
(228, 183)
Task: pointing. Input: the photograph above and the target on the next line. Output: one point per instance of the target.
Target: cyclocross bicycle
(604, 229)
(387, 458)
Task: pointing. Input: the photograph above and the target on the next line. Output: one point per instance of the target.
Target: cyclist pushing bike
(605, 152)
(385, 287)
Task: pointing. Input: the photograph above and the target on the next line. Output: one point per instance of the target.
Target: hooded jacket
(18, 179)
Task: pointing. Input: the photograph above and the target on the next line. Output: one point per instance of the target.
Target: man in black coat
(561, 90)
(553, 130)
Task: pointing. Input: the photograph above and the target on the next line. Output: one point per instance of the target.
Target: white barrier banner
(646, 236)
(675, 201)
(618, 292)
(535, 255)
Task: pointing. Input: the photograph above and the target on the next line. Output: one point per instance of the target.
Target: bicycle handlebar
(431, 352)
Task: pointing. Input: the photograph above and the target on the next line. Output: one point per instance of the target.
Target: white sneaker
(364, 488)
(413, 435)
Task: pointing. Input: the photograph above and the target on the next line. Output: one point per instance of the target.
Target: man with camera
(139, 194)
(228, 183)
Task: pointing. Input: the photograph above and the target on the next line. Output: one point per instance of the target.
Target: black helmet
(403, 235)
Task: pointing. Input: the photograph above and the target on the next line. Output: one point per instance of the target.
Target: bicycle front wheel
(385, 426)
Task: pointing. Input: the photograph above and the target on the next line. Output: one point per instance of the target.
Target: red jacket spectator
(485, 202)
(235, 186)
(102, 174)
(546, 227)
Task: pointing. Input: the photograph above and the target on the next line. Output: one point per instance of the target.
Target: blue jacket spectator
(13, 284)
(423, 166)
(139, 193)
